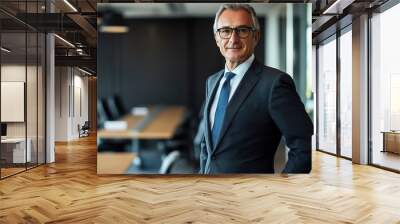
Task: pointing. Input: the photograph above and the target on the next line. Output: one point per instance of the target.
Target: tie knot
(229, 75)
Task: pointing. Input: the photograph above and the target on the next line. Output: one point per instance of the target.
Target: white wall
(71, 102)
(61, 103)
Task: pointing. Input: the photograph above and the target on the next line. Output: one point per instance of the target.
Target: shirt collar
(241, 69)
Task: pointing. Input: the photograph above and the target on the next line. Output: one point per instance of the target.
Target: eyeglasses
(241, 31)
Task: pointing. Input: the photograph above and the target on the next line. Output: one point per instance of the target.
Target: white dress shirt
(240, 70)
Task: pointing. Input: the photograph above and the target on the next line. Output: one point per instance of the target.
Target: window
(385, 89)
(346, 93)
(327, 96)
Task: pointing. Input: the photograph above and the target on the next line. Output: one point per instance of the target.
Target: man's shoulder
(267, 74)
(271, 71)
(215, 75)
(275, 77)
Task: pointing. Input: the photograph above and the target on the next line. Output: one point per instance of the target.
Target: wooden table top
(162, 126)
(114, 163)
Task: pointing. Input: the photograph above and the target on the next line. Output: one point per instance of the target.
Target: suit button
(213, 157)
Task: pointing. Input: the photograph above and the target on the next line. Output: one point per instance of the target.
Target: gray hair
(237, 6)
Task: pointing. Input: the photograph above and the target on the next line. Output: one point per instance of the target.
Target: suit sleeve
(289, 115)
(202, 129)
(199, 140)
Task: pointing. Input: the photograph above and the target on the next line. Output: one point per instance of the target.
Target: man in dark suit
(250, 106)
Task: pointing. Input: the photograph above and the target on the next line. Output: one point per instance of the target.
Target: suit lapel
(246, 85)
(212, 90)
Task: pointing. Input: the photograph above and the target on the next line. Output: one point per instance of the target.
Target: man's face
(235, 49)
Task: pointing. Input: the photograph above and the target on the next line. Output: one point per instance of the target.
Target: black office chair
(108, 110)
(115, 114)
(109, 145)
(113, 107)
(180, 154)
(83, 130)
(101, 114)
(194, 129)
(119, 104)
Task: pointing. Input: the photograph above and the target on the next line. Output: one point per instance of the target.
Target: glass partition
(327, 95)
(13, 108)
(22, 88)
(31, 99)
(41, 91)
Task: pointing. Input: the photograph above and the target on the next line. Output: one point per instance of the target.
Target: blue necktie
(221, 107)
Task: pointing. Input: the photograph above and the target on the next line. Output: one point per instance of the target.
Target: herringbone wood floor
(69, 191)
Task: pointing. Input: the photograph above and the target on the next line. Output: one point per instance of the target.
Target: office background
(161, 61)
(169, 51)
(165, 58)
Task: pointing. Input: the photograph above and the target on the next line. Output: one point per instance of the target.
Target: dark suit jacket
(264, 107)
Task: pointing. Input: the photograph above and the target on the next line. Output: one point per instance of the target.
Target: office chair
(180, 156)
(115, 106)
(101, 114)
(168, 162)
(115, 113)
(119, 104)
(83, 130)
(182, 136)
(109, 145)
(109, 114)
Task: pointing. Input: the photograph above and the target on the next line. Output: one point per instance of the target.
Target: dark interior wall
(160, 61)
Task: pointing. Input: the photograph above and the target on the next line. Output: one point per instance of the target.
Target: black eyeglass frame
(236, 29)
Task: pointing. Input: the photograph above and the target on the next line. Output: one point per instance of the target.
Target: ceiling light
(113, 23)
(70, 5)
(114, 29)
(65, 41)
(5, 50)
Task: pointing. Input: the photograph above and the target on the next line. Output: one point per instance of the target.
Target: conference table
(158, 123)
